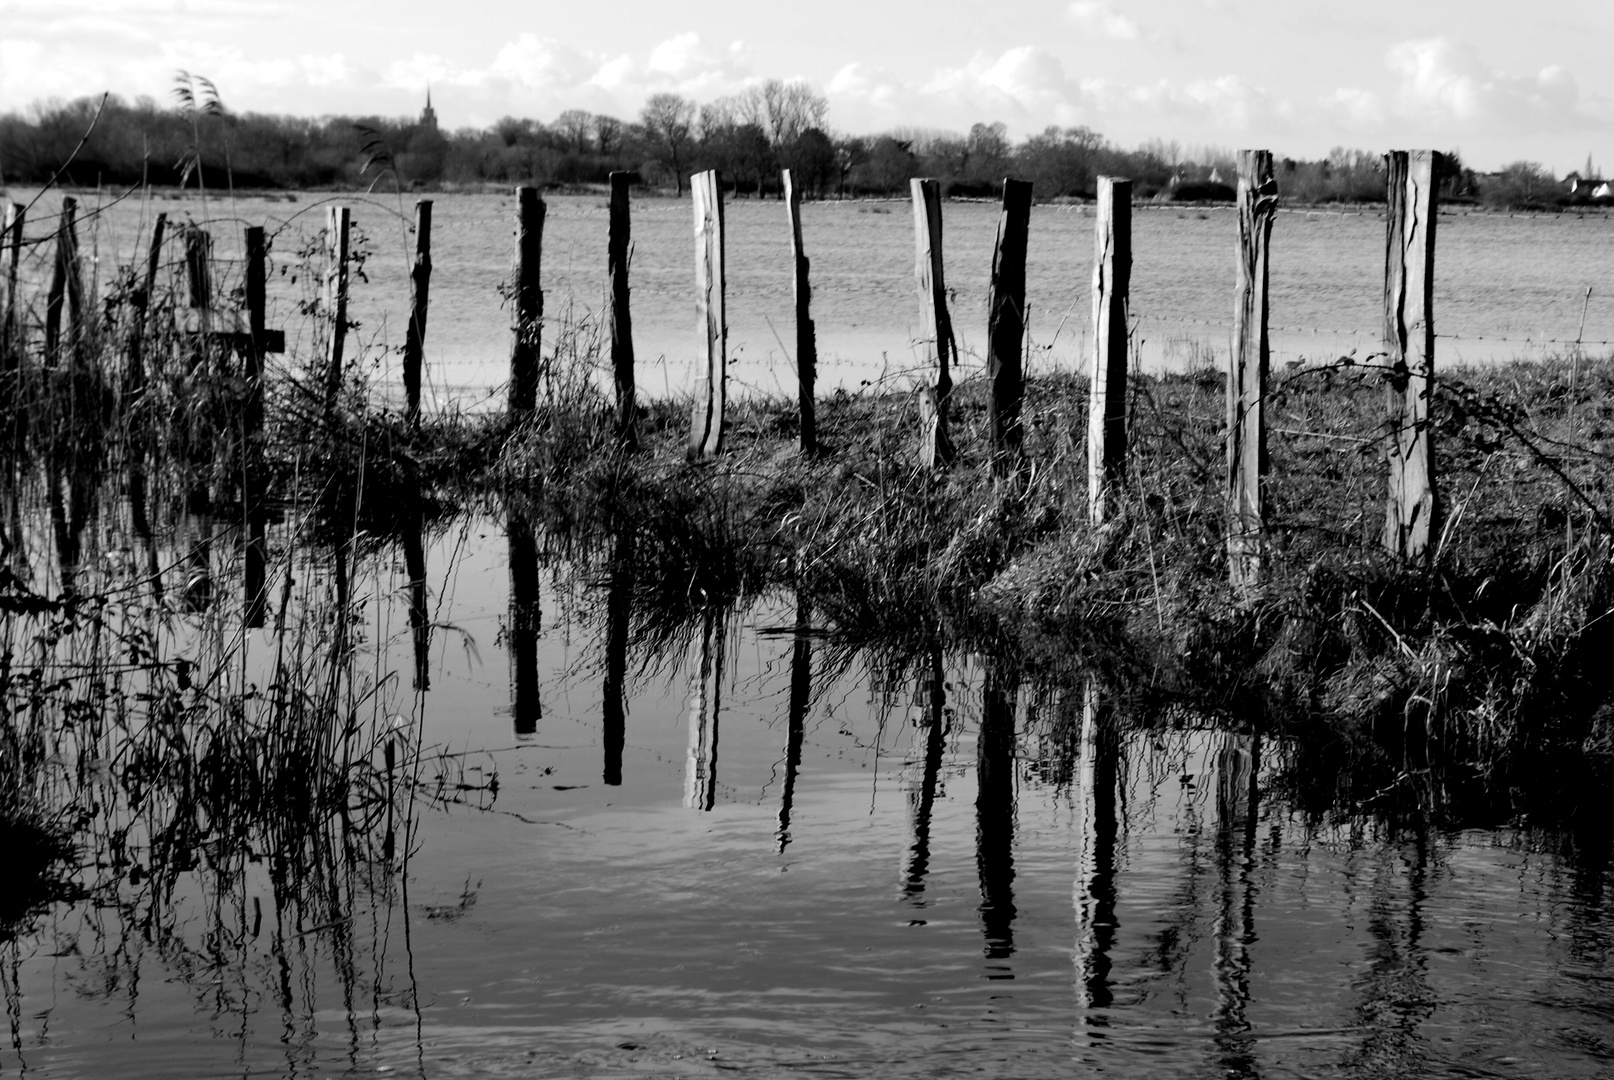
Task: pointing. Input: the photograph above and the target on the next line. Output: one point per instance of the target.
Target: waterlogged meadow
(480, 747)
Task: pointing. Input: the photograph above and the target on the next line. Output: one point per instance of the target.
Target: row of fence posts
(1412, 503)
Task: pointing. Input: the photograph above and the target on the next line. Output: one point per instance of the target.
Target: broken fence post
(806, 335)
(935, 446)
(1006, 327)
(1247, 367)
(711, 391)
(420, 283)
(1106, 407)
(619, 318)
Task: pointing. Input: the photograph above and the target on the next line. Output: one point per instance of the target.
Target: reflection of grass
(1449, 663)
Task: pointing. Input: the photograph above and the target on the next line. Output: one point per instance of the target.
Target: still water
(1505, 286)
(741, 849)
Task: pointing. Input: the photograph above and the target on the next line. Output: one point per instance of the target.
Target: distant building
(428, 115)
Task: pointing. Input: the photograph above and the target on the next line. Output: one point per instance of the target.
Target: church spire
(428, 116)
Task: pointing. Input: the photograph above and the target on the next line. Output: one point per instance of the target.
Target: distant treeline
(748, 137)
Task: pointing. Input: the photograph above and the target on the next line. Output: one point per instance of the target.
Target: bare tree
(607, 134)
(574, 124)
(668, 122)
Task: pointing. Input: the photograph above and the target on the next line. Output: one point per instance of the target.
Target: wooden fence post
(338, 223)
(1409, 340)
(135, 375)
(420, 284)
(1006, 327)
(1247, 367)
(11, 251)
(199, 290)
(1106, 408)
(252, 471)
(806, 335)
(527, 309)
(65, 281)
(618, 254)
(935, 445)
(711, 393)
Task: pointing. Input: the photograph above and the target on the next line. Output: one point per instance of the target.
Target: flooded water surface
(736, 846)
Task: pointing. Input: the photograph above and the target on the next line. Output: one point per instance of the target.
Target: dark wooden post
(618, 254)
(1106, 409)
(135, 375)
(64, 283)
(806, 335)
(711, 392)
(252, 471)
(1409, 342)
(11, 252)
(420, 284)
(1006, 326)
(199, 290)
(338, 223)
(527, 309)
(935, 446)
(1247, 368)
(521, 633)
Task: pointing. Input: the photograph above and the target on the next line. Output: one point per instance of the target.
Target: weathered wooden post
(65, 282)
(199, 292)
(935, 445)
(806, 335)
(11, 252)
(1106, 403)
(420, 284)
(1409, 342)
(135, 375)
(252, 470)
(711, 392)
(521, 632)
(1006, 327)
(619, 250)
(338, 223)
(1247, 368)
(527, 309)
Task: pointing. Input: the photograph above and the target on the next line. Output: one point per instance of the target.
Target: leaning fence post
(420, 283)
(1006, 326)
(338, 222)
(10, 344)
(134, 380)
(935, 446)
(711, 392)
(527, 310)
(64, 282)
(806, 335)
(1106, 403)
(618, 253)
(199, 290)
(1409, 342)
(1247, 368)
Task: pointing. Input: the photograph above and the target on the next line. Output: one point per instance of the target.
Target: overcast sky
(1498, 83)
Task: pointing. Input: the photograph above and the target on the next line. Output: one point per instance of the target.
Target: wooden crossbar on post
(1247, 367)
(420, 283)
(1107, 371)
(1006, 327)
(338, 223)
(1413, 506)
(711, 392)
(936, 325)
(527, 309)
(11, 252)
(806, 335)
(618, 254)
(65, 283)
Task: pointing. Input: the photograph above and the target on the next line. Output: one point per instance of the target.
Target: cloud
(1102, 20)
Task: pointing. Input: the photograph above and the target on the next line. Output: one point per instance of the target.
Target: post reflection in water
(801, 679)
(1237, 802)
(1394, 995)
(618, 609)
(521, 632)
(1098, 826)
(414, 552)
(929, 703)
(994, 814)
(705, 699)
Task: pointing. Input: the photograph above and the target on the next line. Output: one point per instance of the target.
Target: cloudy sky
(1498, 83)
